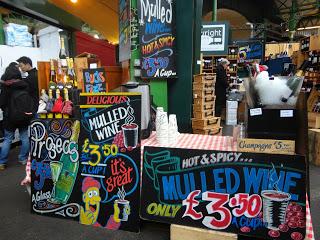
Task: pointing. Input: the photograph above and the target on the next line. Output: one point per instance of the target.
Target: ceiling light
(74, 1)
(96, 36)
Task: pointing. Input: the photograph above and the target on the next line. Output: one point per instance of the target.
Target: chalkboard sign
(94, 80)
(110, 160)
(54, 168)
(124, 30)
(157, 38)
(252, 194)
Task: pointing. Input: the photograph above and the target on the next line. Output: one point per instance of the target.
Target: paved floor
(17, 223)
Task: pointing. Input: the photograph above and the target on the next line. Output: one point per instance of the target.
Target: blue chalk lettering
(203, 181)
(169, 188)
(252, 179)
(232, 176)
(218, 180)
(186, 186)
(291, 182)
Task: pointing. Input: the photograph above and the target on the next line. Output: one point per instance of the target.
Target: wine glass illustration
(55, 173)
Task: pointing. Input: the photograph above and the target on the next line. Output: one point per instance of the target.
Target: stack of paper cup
(159, 111)
(163, 128)
(173, 129)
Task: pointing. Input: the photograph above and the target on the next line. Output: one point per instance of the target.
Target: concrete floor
(17, 223)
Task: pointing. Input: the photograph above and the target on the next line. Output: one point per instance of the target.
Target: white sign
(213, 38)
(286, 113)
(255, 111)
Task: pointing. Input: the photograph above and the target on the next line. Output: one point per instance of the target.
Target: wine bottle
(63, 53)
(70, 165)
(69, 77)
(75, 81)
(60, 76)
(53, 76)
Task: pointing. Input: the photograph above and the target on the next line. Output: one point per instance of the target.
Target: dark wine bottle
(63, 54)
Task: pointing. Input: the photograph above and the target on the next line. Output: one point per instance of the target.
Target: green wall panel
(180, 89)
(159, 92)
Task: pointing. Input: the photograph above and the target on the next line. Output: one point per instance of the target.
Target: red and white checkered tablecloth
(222, 143)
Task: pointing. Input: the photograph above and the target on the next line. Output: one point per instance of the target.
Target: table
(195, 141)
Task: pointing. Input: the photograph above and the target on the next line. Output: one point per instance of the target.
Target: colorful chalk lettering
(242, 193)
(110, 161)
(157, 38)
(94, 80)
(54, 157)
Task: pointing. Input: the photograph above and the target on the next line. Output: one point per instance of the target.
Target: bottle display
(53, 76)
(70, 164)
(63, 54)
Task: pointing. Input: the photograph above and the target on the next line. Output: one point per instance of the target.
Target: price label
(286, 113)
(255, 111)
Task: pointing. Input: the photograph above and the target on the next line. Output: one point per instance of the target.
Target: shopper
(25, 65)
(13, 90)
(221, 86)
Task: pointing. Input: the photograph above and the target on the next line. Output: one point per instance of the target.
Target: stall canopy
(102, 15)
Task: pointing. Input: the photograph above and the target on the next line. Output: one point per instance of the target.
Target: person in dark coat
(25, 65)
(11, 81)
(221, 86)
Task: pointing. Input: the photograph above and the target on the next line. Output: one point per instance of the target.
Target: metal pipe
(214, 10)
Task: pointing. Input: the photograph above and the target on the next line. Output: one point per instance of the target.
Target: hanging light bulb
(74, 1)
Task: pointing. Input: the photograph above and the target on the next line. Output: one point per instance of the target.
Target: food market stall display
(232, 185)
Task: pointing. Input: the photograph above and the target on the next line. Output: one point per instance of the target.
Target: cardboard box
(313, 120)
(178, 232)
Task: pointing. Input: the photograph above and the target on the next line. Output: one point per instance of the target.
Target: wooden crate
(314, 43)
(212, 131)
(313, 120)
(203, 114)
(314, 149)
(204, 78)
(204, 100)
(203, 93)
(203, 107)
(190, 233)
(206, 123)
(204, 85)
(312, 99)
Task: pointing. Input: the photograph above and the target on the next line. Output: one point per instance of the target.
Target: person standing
(221, 86)
(25, 65)
(12, 86)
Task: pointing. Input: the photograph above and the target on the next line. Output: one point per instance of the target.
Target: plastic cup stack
(159, 111)
(173, 129)
(163, 128)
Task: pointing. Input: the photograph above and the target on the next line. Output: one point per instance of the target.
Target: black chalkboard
(251, 194)
(157, 38)
(54, 168)
(110, 161)
(94, 80)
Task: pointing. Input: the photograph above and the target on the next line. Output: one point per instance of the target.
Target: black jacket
(32, 81)
(221, 85)
(7, 87)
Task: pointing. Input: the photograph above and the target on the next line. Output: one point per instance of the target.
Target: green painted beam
(197, 35)
(180, 89)
(214, 10)
(2, 39)
(159, 92)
